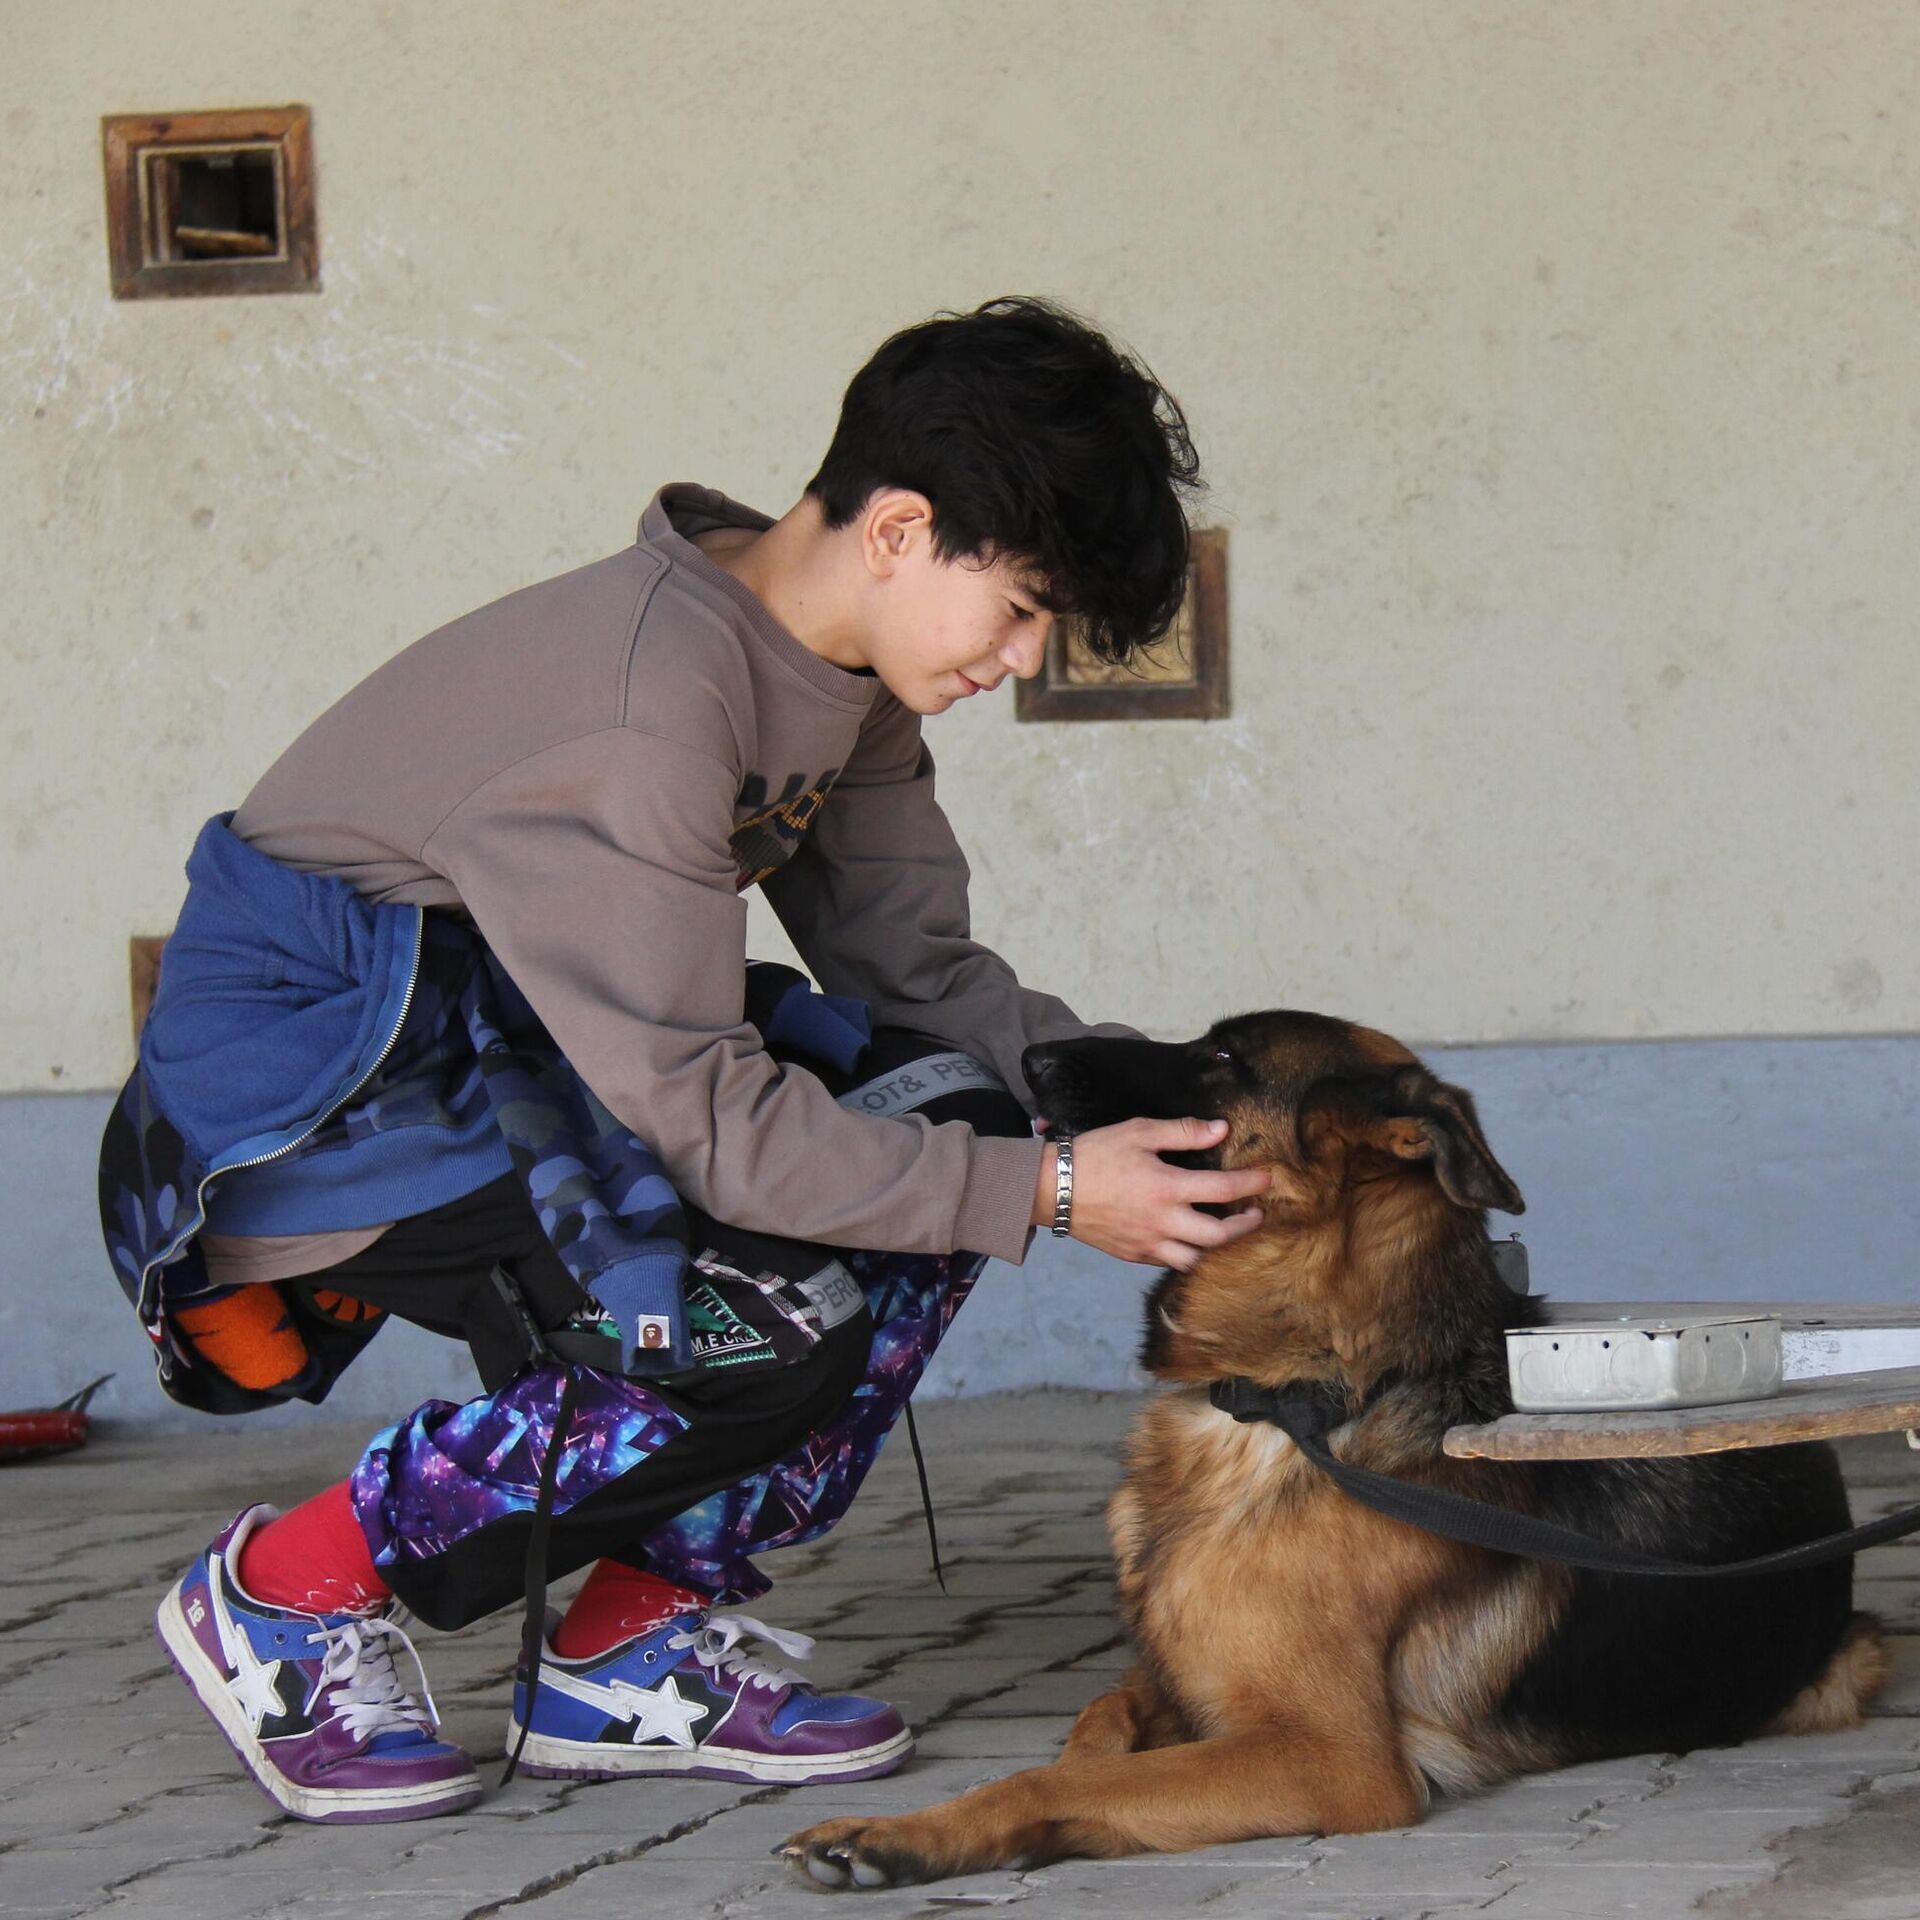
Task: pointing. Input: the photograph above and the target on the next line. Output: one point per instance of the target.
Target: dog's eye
(1223, 1053)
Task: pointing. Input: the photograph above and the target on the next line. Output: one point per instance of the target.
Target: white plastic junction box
(1617, 1365)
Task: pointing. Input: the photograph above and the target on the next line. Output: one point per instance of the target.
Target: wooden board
(1818, 1409)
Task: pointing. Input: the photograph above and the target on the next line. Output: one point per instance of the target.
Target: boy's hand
(1129, 1202)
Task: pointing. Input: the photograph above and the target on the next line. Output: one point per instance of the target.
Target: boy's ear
(1429, 1120)
(894, 516)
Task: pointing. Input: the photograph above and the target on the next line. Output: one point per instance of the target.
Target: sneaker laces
(714, 1644)
(358, 1665)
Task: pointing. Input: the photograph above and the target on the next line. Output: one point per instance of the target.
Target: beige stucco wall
(1555, 367)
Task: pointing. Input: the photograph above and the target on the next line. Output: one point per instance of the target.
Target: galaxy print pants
(447, 1472)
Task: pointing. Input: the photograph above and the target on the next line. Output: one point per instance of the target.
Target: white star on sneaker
(660, 1713)
(255, 1681)
(657, 1713)
(255, 1685)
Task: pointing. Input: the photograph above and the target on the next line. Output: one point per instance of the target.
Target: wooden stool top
(1821, 1408)
(1818, 1407)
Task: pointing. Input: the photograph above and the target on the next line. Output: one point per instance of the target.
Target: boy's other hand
(1129, 1202)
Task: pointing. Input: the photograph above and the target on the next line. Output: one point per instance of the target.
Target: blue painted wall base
(1702, 1170)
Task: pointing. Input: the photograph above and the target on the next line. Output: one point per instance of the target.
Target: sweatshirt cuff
(996, 1205)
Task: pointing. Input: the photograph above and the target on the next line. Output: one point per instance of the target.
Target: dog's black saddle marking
(1306, 1411)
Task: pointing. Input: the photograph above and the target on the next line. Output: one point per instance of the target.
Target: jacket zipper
(320, 1120)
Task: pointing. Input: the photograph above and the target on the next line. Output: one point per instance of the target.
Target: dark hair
(1036, 440)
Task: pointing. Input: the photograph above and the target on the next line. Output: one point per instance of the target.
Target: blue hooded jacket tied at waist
(314, 1061)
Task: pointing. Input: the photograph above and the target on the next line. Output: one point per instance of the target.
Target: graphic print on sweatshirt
(763, 842)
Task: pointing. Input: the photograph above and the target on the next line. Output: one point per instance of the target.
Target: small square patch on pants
(652, 1332)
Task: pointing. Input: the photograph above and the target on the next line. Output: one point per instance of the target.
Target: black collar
(1318, 1406)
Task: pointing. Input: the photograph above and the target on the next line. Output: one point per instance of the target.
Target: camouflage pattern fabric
(471, 1055)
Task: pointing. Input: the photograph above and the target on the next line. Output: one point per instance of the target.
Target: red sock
(616, 1603)
(314, 1558)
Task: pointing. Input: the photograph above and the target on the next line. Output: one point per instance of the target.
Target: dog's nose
(1038, 1063)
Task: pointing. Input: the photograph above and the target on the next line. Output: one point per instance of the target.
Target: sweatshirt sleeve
(875, 900)
(599, 872)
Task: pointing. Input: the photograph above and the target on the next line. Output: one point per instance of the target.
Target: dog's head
(1379, 1168)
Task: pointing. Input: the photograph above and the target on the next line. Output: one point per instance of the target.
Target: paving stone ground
(117, 1797)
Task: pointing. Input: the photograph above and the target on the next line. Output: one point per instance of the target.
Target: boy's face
(939, 631)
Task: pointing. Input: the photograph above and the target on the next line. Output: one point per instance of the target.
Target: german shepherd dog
(1305, 1664)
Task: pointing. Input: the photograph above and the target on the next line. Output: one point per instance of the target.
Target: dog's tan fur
(1835, 1700)
(1306, 1665)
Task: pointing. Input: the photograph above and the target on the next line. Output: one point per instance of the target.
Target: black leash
(926, 1498)
(541, 1348)
(1306, 1411)
(533, 1634)
(919, 1459)
(533, 1631)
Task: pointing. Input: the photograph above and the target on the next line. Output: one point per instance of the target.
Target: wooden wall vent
(1183, 677)
(211, 203)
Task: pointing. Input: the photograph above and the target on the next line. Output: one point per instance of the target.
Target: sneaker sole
(546, 1758)
(339, 1806)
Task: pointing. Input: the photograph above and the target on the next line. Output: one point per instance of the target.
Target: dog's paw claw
(834, 1860)
(827, 1872)
(864, 1872)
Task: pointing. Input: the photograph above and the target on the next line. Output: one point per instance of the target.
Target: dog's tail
(1852, 1677)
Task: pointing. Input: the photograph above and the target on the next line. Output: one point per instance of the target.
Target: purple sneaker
(681, 1699)
(310, 1701)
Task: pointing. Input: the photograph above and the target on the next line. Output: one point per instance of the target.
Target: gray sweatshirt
(594, 770)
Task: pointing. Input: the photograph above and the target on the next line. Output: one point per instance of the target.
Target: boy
(457, 1023)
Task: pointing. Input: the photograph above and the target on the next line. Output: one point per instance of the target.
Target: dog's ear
(1429, 1120)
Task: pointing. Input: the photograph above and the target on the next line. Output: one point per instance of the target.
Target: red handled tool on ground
(43, 1430)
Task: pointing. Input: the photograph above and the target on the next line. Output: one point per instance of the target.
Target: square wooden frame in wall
(143, 968)
(1184, 678)
(147, 156)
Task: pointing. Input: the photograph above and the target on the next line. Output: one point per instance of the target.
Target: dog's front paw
(859, 1853)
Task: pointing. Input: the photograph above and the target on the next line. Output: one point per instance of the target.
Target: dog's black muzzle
(1097, 1082)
